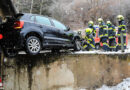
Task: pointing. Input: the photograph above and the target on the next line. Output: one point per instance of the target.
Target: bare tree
(41, 7)
(31, 6)
(76, 13)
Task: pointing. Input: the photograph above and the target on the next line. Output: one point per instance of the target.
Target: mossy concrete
(65, 71)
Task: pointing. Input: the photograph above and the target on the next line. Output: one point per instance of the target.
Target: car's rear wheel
(10, 53)
(77, 45)
(33, 45)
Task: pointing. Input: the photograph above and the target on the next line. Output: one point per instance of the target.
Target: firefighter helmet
(120, 17)
(100, 20)
(88, 30)
(90, 23)
(109, 22)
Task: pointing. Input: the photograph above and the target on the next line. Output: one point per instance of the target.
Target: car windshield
(59, 25)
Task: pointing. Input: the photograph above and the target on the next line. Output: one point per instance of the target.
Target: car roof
(30, 14)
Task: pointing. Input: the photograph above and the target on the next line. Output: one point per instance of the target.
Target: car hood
(7, 8)
(71, 32)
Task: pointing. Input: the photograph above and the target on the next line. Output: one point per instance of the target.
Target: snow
(82, 89)
(125, 85)
(44, 51)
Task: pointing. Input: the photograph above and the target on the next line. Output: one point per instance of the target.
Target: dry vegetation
(76, 13)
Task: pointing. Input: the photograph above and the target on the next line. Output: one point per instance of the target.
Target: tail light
(1, 84)
(1, 36)
(18, 24)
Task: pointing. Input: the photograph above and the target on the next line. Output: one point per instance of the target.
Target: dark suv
(32, 33)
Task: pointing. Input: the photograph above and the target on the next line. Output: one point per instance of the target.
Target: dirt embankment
(65, 72)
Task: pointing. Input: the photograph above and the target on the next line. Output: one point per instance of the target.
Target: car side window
(32, 18)
(59, 25)
(43, 20)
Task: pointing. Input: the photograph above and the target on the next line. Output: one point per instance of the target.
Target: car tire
(77, 45)
(10, 53)
(33, 45)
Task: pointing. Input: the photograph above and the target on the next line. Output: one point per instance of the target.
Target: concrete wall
(65, 72)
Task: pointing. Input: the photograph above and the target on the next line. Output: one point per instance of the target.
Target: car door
(63, 37)
(50, 34)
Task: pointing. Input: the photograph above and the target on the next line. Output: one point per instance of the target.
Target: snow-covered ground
(127, 51)
(125, 85)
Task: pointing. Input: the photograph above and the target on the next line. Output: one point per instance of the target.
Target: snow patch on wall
(125, 85)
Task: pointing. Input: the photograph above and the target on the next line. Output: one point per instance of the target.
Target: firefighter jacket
(111, 32)
(90, 40)
(121, 28)
(103, 32)
(93, 30)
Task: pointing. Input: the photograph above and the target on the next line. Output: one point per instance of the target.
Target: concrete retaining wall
(65, 72)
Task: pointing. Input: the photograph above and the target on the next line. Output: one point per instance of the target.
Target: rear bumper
(12, 40)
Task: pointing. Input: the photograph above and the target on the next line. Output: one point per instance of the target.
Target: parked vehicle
(33, 33)
(6, 9)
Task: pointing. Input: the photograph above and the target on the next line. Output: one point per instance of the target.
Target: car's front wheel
(33, 45)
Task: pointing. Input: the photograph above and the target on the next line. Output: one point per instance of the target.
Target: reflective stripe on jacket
(111, 32)
(121, 28)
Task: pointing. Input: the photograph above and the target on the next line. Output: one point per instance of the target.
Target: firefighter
(89, 43)
(111, 36)
(103, 34)
(91, 25)
(121, 28)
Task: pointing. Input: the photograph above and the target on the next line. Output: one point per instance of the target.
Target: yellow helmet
(109, 22)
(100, 20)
(120, 17)
(88, 30)
(90, 22)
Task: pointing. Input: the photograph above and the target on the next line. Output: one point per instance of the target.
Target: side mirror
(68, 28)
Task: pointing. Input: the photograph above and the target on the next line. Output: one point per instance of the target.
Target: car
(33, 33)
(6, 9)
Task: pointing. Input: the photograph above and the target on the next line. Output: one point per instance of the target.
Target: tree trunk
(41, 7)
(31, 6)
